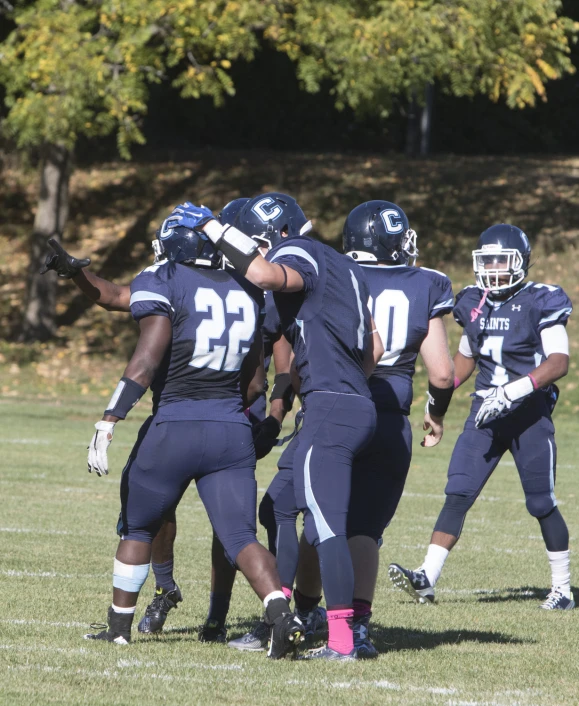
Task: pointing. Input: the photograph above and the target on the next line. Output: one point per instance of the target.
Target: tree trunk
(412, 126)
(426, 120)
(40, 315)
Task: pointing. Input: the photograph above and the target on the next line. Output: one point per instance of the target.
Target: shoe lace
(553, 598)
(159, 603)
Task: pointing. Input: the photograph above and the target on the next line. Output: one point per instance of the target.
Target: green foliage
(375, 50)
(73, 68)
(84, 68)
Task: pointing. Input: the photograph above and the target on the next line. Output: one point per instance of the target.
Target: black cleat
(212, 631)
(286, 634)
(118, 628)
(415, 583)
(158, 609)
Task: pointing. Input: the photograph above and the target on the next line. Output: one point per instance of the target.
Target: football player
(407, 304)
(515, 331)
(167, 594)
(321, 299)
(198, 430)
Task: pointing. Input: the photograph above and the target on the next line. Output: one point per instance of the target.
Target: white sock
(560, 571)
(433, 562)
(272, 596)
(117, 609)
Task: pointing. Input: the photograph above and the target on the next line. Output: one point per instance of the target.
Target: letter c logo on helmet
(263, 212)
(392, 221)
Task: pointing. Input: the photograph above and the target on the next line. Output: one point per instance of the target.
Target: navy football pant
(218, 456)
(528, 433)
(336, 427)
(379, 475)
(281, 523)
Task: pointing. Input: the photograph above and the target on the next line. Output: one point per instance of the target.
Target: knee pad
(540, 504)
(453, 513)
(129, 577)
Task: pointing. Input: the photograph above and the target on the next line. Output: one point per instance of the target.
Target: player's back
(403, 299)
(328, 322)
(214, 316)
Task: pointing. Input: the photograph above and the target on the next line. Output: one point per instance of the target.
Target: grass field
(485, 643)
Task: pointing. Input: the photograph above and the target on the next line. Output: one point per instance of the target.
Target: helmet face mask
(498, 270)
(501, 259)
(378, 231)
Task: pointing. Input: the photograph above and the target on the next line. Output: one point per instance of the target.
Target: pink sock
(287, 592)
(341, 635)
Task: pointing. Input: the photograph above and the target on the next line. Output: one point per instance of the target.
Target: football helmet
(501, 259)
(379, 231)
(264, 218)
(229, 212)
(181, 244)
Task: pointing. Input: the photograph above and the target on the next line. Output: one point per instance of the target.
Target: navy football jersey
(328, 322)
(270, 330)
(402, 301)
(214, 316)
(506, 338)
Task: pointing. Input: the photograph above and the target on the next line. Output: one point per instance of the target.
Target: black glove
(65, 265)
(265, 435)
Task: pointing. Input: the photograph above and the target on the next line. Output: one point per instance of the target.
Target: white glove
(97, 450)
(495, 403)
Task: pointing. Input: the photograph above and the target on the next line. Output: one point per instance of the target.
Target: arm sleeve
(441, 296)
(301, 257)
(554, 306)
(555, 340)
(461, 309)
(464, 346)
(150, 296)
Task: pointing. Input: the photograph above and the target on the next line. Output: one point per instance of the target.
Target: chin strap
(474, 313)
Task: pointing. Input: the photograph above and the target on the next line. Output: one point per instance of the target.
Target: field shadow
(397, 639)
(521, 593)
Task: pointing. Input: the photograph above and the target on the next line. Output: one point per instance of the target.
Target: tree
(83, 68)
(375, 52)
(73, 69)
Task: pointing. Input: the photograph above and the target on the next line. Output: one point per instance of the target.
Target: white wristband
(520, 388)
(214, 230)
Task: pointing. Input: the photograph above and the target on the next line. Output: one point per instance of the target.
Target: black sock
(305, 604)
(554, 531)
(218, 607)
(275, 609)
(164, 575)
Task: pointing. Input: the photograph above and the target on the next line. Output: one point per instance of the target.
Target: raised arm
(108, 295)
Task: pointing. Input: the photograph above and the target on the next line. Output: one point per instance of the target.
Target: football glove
(190, 216)
(65, 265)
(495, 403)
(97, 449)
(265, 435)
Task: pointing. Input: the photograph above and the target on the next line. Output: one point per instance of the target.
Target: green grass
(485, 642)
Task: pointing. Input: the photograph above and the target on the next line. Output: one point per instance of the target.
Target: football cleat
(558, 601)
(157, 610)
(415, 583)
(287, 632)
(118, 628)
(212, 631)
(315, 621)
(330, 655)
(254, 641)
(362, 642)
